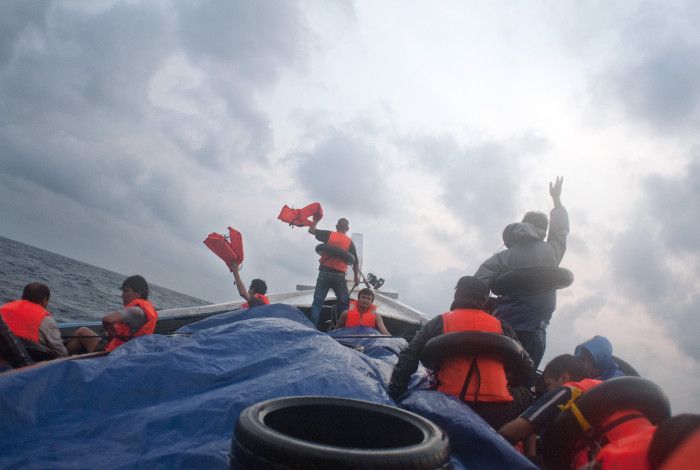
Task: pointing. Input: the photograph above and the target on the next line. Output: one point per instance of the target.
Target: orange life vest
(24, 318)
(484, 377)
(262, 297)
(627, 440)
(355, 318)
(341, 241)
(686, 456)
(124, 331)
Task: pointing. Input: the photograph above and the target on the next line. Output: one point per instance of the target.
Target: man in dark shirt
(331, 272)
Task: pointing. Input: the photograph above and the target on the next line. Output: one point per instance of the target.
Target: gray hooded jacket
(526, 248)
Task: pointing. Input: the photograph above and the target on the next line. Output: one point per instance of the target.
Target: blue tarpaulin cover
(172, 402)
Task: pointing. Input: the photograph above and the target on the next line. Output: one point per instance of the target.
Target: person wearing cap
(331, 270)
(488, 395)
(529, 315)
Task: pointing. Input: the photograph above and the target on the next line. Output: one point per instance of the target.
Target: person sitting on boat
(255, 295)
(565, 380)
(331, 271)
(596, 354)
(362, 313)
(525, 248)
(489, 395)
(137, 318)
(29, 320)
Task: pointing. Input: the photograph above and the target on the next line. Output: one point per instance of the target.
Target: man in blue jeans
(331, 270)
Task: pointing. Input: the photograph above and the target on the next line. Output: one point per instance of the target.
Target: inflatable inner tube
(564, 438)
(626, 367)
(479, 343)
(334, 251)
(531, 281)
(327, 432)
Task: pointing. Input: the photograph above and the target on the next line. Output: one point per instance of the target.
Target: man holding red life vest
(625, 441)
(255, 295)
(28, 318)
(137, 318)
(331, 272)
(488, 395)
(362, 313)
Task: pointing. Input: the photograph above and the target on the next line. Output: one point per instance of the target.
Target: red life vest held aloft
(355, 318)
(300, 217)
(262, 297)
(628, 438)
(487, 381)
(341, 241)
(229, 251)
(125, 332)
(24, 318)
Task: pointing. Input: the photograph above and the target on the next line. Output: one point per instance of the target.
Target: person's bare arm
(555, 191)
(341, 321)
(516, 430)
(380, 326)
(312, 229)
(108, 322)
(239, 282)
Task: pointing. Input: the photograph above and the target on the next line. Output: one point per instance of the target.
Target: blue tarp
(172, 402)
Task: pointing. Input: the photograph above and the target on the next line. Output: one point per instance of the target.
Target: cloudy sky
(129, 130)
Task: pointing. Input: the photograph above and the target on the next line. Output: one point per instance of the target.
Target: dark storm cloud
(344, 171)
(76, 115)
(480, 183)
(661, 85)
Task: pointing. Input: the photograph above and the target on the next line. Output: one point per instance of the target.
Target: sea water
(79, 291)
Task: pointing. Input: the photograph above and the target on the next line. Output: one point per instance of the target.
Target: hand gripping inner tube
(564, 438)
(327, 432)
(531, 281)
(336, 252)
(480, 344)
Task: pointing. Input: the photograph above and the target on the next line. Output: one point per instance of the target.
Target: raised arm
(555, 191)
(239, 282)
(559, 221)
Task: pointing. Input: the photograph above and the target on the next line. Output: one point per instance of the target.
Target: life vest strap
(473, 368)
(571, 405)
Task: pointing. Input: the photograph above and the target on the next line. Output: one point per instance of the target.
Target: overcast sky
(129, 130)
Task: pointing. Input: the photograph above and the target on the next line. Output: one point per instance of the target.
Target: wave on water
(79, 291)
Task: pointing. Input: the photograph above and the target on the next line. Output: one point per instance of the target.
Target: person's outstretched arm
(341, 321)
(239, 282)
(559, 221)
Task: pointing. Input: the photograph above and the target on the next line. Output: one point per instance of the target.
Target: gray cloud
(345, 171)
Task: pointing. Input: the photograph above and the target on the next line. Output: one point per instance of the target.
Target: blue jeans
(329, 280)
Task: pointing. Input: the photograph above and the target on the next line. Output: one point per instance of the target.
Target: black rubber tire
(335, 433)
(559, 443)
(38, 352)
(473, 343)
(626, 367)
(334, 251)
(531, 281)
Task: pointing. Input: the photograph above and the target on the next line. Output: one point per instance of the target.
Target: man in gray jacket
(529, 315)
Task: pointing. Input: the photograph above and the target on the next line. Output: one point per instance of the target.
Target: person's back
(28, 318)
(529, 315)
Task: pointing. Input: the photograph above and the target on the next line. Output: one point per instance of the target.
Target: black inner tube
(531, 281)
(335, 252)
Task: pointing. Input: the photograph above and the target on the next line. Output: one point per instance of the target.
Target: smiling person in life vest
(137, 318)
(28, 318)
(255, 295)
(363, 313)
(331, 272)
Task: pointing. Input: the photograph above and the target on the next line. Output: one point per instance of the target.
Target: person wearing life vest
(331, 271)
(137, 318)
(486, 391)
(29, 320)
(362, 313)
(627, 435)
(255, 295)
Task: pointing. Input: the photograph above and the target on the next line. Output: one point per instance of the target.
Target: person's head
(343, 225)
(365, 298)
(36, 293)
(538, 219)
(471, 290)
(596, 354)
(134, 287)
(562, 369)
(257, 286)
